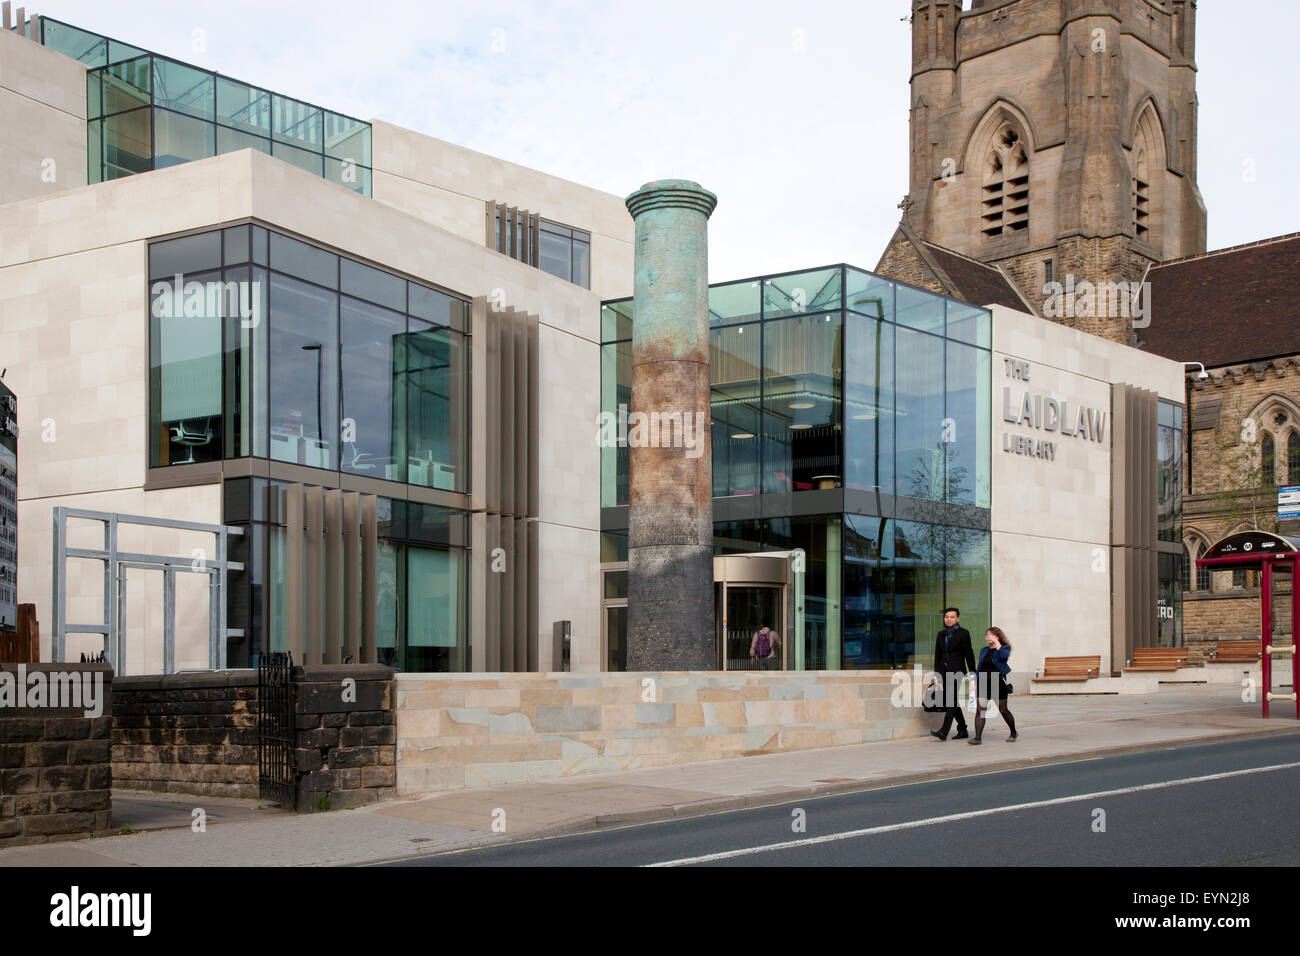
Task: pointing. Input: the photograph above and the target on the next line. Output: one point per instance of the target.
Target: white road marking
(970, 815)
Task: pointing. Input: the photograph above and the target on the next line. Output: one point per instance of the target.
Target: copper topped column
(670, 513)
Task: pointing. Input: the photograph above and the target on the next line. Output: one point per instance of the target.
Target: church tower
(1055, 140)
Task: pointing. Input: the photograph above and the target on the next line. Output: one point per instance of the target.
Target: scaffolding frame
(116, 563)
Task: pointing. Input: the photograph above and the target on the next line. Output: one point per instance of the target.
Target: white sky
(795, 114)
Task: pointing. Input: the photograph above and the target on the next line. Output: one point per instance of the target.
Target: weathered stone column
(670, 514)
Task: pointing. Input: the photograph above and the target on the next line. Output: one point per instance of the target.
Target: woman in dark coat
(991, 678)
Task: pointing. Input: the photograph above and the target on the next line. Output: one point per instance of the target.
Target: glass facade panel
(303, 373)
(437, 408)
(346, 138)
(1169, 472)
(89, 48)
(819, 538)
(180, 139)
(869, 404)
(434, 605)
(363, 282)
(245, 361)
(436, 307)
(615, 394)
(348, 174)
(232, 115)
(736, 407)
(919, 400)
(184, 89)
(869, 294)
(128, 144)
(555, 255)
(197, 253)
(969, 323)
(185, 372)
(126, 86)
(371, 380)
(1169, 599)
(868, 596)
(965, 433)
(94, 98)
(734, 302)
(801, 422)
(616, 321)
(231, 141)
(304, 261)
(913, 412)
(581, 263)
(243, 107)
(304, 159)
(94, 152)
(920, 310)
(801, 293)
(296, 123)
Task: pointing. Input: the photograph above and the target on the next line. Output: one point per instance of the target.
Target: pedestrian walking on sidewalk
(762, 649)
(953, 659)
(991, 682)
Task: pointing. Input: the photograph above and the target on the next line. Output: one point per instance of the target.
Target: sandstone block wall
(474, 730)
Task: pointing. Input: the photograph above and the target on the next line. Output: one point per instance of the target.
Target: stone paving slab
(1053, 730)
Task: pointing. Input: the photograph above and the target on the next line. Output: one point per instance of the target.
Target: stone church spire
(1056, 139)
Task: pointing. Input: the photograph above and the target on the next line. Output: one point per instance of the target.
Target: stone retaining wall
(55, 772)
(187, 733)
(476, 730)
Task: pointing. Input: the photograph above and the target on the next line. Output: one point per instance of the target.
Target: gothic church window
(1267, 458)
(1005, 207)
(1293, 459)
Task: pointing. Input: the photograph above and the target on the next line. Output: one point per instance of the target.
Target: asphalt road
(1208, 805)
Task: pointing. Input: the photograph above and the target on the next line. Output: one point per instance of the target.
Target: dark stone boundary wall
(187, 733)
(56, 777)
(346, 751)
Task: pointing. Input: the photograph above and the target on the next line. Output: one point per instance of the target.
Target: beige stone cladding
(43, 116)
(74, 333)
(456, 731)
(1051, 509)
(450, 186)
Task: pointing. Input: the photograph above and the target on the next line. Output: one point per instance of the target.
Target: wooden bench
(1237, 652)
(1070, 668)
(1157, 659)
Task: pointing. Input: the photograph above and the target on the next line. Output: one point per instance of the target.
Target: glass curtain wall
(263, 346)
(836, 378)
(422, 613)
(149, 112)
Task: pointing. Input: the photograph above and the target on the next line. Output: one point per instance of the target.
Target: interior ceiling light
(743, 435)
(801, 404)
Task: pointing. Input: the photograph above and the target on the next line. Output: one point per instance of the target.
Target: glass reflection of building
(275, 361)
(851, 419)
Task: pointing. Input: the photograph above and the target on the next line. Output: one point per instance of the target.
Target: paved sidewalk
(1052, 729)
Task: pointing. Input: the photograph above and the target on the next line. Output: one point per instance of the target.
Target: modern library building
(373, 364)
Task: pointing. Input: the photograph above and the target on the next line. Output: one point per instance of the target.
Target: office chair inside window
(192, 433)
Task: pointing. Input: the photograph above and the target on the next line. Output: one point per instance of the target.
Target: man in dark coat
(953, 658)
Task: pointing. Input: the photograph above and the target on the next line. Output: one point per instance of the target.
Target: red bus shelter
(1265, 552)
